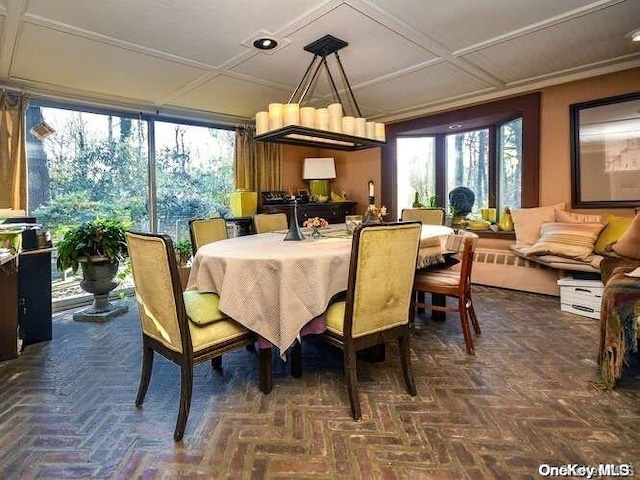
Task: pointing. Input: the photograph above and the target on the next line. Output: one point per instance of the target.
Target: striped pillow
(569, 240)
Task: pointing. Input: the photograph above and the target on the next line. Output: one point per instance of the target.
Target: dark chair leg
(350, 369)
(145, 374)
(466, 330)
(296, 359)
(216, 363)
(266, 378)
(405, 358)
(474, 318)
(251, 348)
(186, 386)
(440, 301)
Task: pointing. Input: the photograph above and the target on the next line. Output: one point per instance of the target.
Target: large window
(416, 171)
(480, 147)
(103, 164)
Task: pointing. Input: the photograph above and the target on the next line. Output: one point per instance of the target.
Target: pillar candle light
(322, 119)
(275, 116)
(348, 125)
(307, 117)
(371, 130)
(291, 114)
(371, 189)
(379, 131)
(262, 122)
(335, 117)
(361, 127)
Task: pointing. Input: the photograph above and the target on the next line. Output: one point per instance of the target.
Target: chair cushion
(440, 277)
(204, 336)
(335, 317)
(202, 308)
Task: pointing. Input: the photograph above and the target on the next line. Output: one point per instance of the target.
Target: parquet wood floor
(526, 399)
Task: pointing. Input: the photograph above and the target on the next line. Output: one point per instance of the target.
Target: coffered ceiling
(405, 58)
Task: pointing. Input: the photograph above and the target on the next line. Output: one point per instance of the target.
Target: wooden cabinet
(34, 295)
(333, 212)
(9, 307)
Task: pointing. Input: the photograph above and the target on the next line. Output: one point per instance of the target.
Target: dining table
(280, 289)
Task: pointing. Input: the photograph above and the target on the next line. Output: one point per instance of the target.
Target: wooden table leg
(441, 301)
(266, 370)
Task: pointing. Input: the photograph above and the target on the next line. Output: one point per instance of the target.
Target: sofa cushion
(528, 221)
(613, 230)
(569, 240)
(573, 217)
(202, 308)
(629, 243)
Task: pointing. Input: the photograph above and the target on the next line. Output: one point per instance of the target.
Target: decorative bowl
(478, 225)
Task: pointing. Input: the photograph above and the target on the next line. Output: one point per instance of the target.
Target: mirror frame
(606, 107)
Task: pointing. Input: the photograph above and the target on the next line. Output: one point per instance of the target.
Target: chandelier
(328, 127)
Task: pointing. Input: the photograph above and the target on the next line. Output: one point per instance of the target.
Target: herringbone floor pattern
(67, 406)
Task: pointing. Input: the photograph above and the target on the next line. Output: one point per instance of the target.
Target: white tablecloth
(273, 287)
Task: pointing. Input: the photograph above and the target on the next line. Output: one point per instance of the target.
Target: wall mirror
(605, 152)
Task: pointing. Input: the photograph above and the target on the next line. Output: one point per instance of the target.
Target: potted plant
(183, 251)
(97, 247)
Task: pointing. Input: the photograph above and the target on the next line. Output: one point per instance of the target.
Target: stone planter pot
(99, 278)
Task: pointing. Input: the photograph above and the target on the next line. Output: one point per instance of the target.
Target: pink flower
(316, 222)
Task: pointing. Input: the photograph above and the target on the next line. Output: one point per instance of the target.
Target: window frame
(150, 118)
(489, 114)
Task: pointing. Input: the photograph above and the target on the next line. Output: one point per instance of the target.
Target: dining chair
(208, 230)
(378, 298)
(187, 329)
(269, 222)
(451, 282)
(428, 216)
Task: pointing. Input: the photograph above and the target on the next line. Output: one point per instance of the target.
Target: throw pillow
(613, 230)
(629, 243)
(202, 308)
(569, 240)
(573, 217)
(527, 221)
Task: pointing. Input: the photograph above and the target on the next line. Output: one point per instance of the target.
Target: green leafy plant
(101, 237)
(183, 251)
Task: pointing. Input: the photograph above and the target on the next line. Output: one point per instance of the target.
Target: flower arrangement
(316, 222)
(374, 214)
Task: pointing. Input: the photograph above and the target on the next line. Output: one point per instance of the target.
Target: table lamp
(319, 171)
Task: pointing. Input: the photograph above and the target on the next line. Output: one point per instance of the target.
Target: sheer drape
(258, 165)
(13, 162)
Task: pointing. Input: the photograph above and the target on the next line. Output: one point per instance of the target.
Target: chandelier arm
(346, 79)
(302, 80)
(333, 83)
(310, 82)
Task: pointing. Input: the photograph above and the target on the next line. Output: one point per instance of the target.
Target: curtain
(13, 161)
(258, 165)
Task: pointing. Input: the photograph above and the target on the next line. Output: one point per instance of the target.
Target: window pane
(416, 171)
(194, 167)
(510, 165)
(93, 165)
(468, 165)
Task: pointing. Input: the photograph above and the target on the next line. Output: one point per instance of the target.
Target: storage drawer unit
(332, 212)
(582, 297)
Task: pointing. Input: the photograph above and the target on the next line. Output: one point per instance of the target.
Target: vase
(294, 233)
(315, 233)
(506, 222)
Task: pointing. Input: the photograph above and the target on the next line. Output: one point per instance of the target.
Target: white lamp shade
(318, 168)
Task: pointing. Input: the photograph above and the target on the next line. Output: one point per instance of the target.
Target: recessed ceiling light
(455, 126)
(265, 43)
(634, 35)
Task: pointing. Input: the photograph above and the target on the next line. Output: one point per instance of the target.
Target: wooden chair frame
(187, 358)
(461, 291)
(350, 345)
(194, 236)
